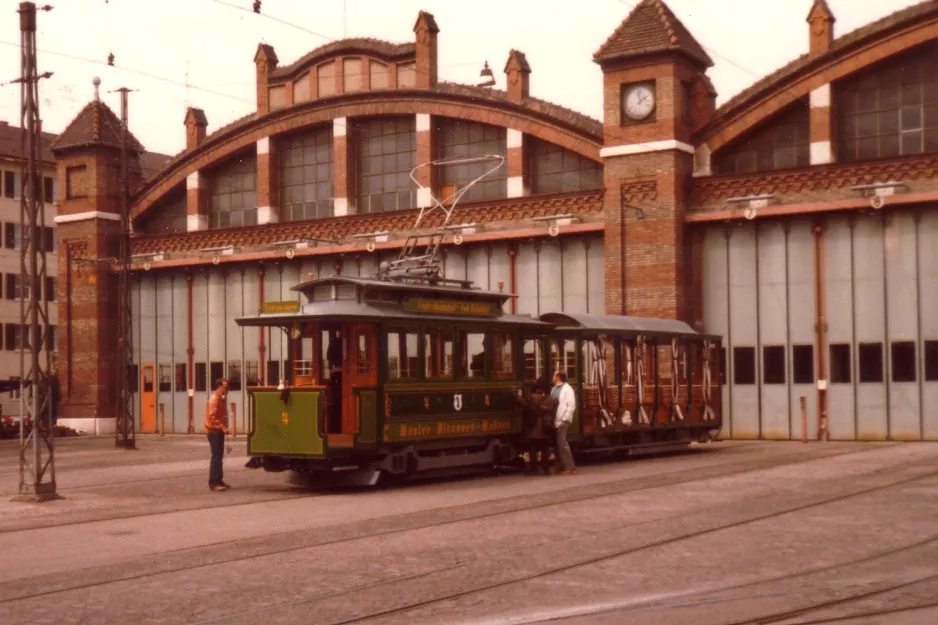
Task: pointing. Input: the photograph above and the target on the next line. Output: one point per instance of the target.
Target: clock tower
(653, 76)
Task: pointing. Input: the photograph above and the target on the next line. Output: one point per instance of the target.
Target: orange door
(148, 398)
(360, 371)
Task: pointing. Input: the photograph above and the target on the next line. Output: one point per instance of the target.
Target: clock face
(639, 102)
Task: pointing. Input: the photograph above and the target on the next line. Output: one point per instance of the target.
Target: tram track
(577, 563)
(462, 571)
(889, 612)
(799, 456)
(176, 561)
(779, 617)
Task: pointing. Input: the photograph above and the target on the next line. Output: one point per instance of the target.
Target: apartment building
(13, 338)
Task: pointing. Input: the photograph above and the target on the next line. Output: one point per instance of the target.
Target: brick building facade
(762, 220)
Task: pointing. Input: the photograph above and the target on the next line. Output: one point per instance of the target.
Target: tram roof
(340, 310)
(454, 287)
(621, 324)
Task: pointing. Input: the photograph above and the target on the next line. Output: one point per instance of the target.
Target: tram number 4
(285, 419)
(457, 401)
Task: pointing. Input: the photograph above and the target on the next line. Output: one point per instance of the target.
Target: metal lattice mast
(37, 453)
(125, 432)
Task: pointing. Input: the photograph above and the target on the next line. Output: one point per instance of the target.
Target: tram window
(903, 361)
(273, 372)
(840, 364)
(802, 362)
(563, 357)
(200, 377)
(931, 361)
(438, 353)
(533, 360)
(773, 364)
(744, 365)
(472, 364)
(403, 357)
(871, 362)
(362, 357)
(503, 354)
(234, 375)
(166, 384)
(182, 385)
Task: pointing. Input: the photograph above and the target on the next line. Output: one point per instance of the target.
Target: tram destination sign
(280, 308)
(451, 307)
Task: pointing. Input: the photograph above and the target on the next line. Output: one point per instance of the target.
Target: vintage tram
(402, 376)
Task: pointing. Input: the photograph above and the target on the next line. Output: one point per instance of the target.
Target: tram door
(359, 371)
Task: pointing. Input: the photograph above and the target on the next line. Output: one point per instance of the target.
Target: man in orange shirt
(216, 423)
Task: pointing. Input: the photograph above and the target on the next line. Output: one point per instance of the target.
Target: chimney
(266, 61)
(195, 127)
(821, 30)
(426, 31)
(519, 72)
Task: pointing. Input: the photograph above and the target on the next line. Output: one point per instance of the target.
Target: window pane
(802, 361)
(903, 361)
(438, 353)
(773, 364)
(503, 354)
(871, 362)
(473, 354)
(931, 361)
(403, 359)
(744, 365)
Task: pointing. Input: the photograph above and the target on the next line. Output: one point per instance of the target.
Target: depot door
(148, 398)
(360, 372)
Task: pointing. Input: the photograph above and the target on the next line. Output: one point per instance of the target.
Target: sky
(160, 46)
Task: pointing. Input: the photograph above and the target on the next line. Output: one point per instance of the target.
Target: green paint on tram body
(289, 429)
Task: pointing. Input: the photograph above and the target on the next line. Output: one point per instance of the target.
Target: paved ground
(729, 533)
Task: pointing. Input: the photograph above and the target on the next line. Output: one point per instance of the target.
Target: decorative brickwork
(638, 193)
(514, 210)
(710, 190)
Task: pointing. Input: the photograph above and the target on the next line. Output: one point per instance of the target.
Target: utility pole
(125, 432)
(37, 453)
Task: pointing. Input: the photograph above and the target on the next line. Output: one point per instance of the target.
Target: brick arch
(245, 133)
(777, 95)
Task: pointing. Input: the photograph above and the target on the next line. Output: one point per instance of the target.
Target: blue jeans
(216, 441)
(564, 457)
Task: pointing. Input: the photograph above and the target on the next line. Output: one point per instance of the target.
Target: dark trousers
(539, 452)
(216, 441)
(564, 457)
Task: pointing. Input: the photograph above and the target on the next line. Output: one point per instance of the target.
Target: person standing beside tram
(216, 423)
(566, 406)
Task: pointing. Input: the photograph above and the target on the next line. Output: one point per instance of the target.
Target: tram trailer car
(404, 377)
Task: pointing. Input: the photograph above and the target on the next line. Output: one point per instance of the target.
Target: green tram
(402, 377)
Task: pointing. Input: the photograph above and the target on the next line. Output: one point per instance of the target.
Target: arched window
(890, 109)
(386, 152)
(782, 142)
(553, 169)
(306, 175)
(168, 216)
(232, 193)
(458, 139)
